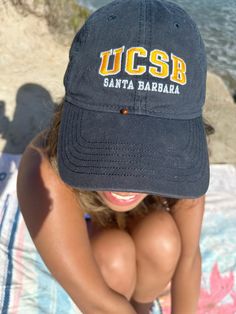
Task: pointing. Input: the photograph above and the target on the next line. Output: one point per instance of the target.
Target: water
(217, 22)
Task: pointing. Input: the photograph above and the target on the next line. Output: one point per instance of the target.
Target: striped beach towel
(27, 287)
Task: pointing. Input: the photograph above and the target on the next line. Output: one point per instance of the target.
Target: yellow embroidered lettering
(179, 70)
(105, 56)
(158, 57)
(130, 58)
(111, 64)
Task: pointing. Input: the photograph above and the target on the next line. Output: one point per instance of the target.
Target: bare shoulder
(37, 181)
(188, 204)
(188, 215)
(35, 165)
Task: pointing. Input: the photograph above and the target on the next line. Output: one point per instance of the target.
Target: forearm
(114, 303)
(87, 287)
(186, 284)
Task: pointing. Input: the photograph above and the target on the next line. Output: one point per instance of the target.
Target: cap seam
(67, 166)
(141, 18)
(118, 107)
(126, 155)
(130, 144)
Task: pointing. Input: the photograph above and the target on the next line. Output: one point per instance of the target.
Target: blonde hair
(90, 201)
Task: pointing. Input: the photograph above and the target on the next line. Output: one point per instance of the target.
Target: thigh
(110, 243)
(156, 238)
(114, 252)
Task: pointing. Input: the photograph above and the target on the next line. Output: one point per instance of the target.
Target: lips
(119, 199)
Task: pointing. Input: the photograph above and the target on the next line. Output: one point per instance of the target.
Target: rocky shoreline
(33, 62)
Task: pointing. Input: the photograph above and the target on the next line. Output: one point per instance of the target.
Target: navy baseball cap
(132, 117)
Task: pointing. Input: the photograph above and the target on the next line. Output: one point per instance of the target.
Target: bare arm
(59, 232)
(186, 283)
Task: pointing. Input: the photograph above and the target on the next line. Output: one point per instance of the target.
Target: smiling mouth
(118, 199)
(123, 197)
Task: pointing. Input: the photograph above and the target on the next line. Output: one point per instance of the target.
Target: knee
(158, 242)
(114, 252)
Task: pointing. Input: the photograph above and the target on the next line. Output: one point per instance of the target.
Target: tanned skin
(110, 271)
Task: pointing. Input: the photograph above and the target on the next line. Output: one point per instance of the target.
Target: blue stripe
(10, 264)
(4, 212)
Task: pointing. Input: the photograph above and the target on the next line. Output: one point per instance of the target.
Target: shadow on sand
(33, 112)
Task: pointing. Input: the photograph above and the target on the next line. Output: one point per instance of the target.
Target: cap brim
(109, 151)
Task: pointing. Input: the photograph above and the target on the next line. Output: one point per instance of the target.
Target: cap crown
(144, 55)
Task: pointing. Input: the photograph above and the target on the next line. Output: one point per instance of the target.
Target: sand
(32, 67)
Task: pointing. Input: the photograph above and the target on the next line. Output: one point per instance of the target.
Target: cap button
(124, 111)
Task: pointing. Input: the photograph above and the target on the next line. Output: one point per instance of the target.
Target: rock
(220, 111)
(31, 81)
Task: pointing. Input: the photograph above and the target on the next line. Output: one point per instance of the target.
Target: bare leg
(106, 245)
(115, 255)
(153, 244)
(157, 243)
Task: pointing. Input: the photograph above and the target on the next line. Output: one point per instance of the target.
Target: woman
(127, 146)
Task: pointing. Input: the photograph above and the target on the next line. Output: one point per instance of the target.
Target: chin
(121, 208)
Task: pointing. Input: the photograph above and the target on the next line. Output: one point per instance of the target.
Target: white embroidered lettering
(160, 87)
(131, 85)
(140, 85)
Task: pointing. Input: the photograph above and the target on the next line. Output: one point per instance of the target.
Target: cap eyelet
(124, 111)
(176, 25)
(111, 17)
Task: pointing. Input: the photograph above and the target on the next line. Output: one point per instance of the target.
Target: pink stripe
(18, 258)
